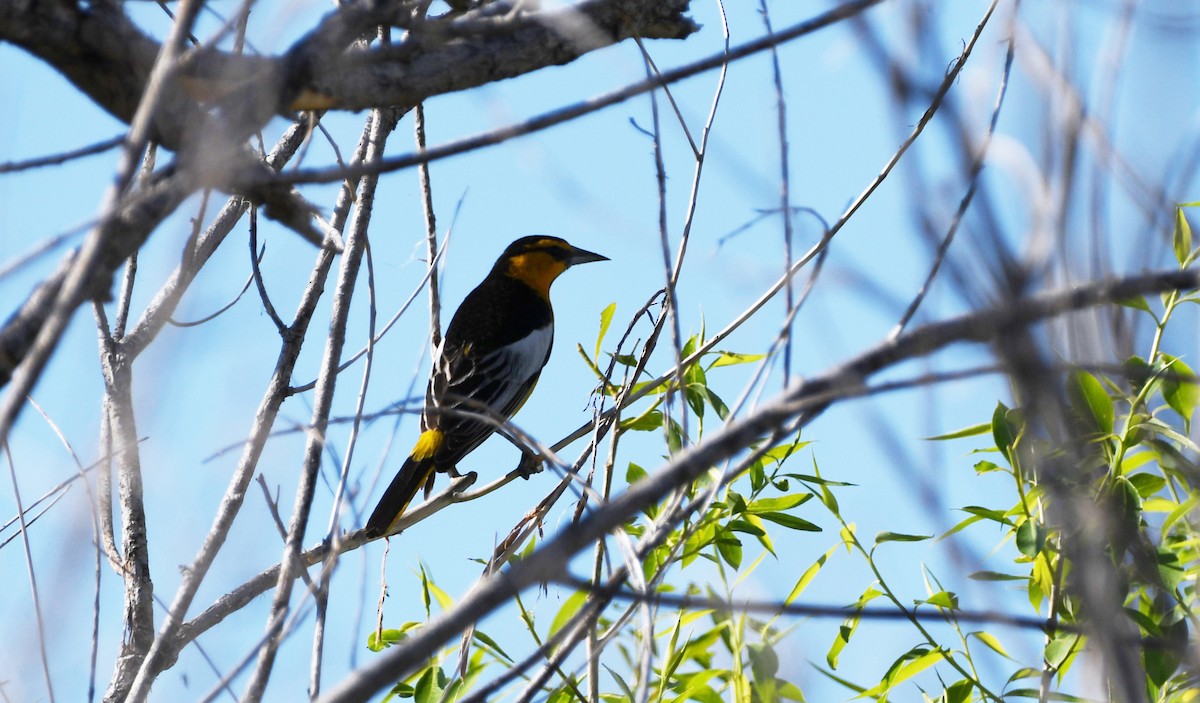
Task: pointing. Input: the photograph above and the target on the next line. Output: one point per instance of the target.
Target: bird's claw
(530, 464)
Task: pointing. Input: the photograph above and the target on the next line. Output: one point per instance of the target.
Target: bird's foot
(530, 464)
(461, 482)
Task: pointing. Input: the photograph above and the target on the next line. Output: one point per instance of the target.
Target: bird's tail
(417, 469)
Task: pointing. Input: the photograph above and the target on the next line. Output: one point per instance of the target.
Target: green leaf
(845, 632)
(1181, 394)
(1031, 537)
(425, 599)
(994, 576)
(844, 682)
(695, 394)
(992, 643)
(626, 359)
(1171, 568)
(1137, 370)
(1134, 460)
(1025, 672)
(908, 665)
(1126, 501)
(985, 466)
(745, 527)
(848, 626)
(646, 422)
(430, 686)
(942, 599)
(730, 358)
(809, 574)
(916, 666)
(988, 514)
(493, 645)
(764, 662)
(1172, 459)
(730, 548)
(620, 682)
(962, 525)
(694, 686)
(1059, 649)
(689, 347)
(1185, 508)
(899, 537)
(389, 637)
(1091, 400)
(1160, 665)
(959, 692)
(1182, 239)
(674, 437)
(781, 452)
(1002, 432)
(568, 610)
(1050, 695)
(787, 690)
(770, 505)
(1136, 302)
(444, 600)
(606, 318)
(971, 431)
(758, 475)
(1147, 484)
(760, 532)
(790, 521)
(717, 404)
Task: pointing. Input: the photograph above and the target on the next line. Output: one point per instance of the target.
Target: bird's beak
(583, 256)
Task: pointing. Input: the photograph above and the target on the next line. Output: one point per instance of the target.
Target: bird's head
(539, 259)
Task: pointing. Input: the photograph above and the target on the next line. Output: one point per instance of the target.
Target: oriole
(488, 363)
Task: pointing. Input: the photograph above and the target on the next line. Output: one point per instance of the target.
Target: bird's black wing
(470, 393)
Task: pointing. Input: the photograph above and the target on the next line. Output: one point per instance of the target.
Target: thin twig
(63, 157)
(431, 245)
(257, 277)
(972, 177)
(785, 198)
(228, 306)
(81, 474)
(29, 571)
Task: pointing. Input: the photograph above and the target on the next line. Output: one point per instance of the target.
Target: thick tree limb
(441, 56)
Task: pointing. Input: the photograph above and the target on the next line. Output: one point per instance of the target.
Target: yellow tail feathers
(409, 479)
(428, 444)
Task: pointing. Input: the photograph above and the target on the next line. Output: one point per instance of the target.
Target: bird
(486, 366)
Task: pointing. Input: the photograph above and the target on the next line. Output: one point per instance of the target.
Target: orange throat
(537, 270)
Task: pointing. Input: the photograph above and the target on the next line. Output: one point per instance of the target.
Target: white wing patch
(516, 364)
(501, 381)
(496, 380)
(525, 357)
